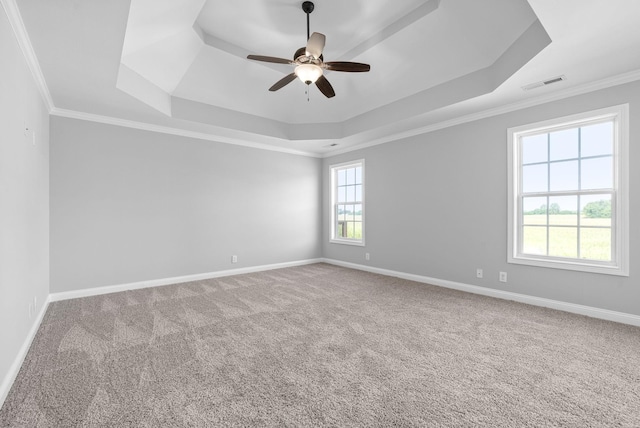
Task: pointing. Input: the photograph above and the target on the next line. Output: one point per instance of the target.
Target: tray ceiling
(182, 65)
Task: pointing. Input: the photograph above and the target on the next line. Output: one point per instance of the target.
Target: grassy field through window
(561, 234)
(349, 226)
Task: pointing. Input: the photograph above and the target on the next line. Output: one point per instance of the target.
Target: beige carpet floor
(321, 345)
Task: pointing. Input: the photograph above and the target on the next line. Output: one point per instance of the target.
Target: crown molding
(608, 82)
(394, 136)
(19, 30)
(109, 120)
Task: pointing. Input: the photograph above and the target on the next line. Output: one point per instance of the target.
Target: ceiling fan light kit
(308, 73)
(309, 62)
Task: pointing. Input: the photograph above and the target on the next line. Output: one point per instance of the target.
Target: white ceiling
(180, 65)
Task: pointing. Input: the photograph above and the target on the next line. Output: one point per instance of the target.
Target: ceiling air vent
(544, 83)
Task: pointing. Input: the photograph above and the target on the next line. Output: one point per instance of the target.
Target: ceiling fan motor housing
(302, 55)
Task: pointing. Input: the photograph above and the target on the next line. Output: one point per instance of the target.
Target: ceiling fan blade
(283, 82)
(351, 67)
(315, 45)
(325, 87)
(270, 59)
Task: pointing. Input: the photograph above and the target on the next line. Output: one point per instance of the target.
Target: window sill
(345, 242)
(570, 265)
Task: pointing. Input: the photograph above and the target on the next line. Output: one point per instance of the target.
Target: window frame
(619, 193)
(333, 172)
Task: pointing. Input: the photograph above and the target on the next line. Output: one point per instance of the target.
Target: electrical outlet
(367, 256)
(503, 277)
(479, 273)
(234, 259)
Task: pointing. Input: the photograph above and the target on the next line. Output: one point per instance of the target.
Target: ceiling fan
(309, 62)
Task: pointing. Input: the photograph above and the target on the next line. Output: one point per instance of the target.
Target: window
(568, 192)
(347, 203)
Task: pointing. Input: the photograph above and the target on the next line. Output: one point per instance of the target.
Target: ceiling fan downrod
(307, 7)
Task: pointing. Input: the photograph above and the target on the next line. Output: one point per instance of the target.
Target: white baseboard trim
(589, 311)
(11, 375)
(86, 292)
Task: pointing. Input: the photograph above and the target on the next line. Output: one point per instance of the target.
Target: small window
(347, 203)
(568, 192)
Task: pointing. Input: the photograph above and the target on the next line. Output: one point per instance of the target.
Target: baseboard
(11, 375)
(65, 295)
(7, 382)
(589, 311)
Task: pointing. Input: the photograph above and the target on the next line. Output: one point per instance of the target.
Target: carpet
(321, 345)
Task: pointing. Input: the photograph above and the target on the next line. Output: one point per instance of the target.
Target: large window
(347, 202)
(568, 192)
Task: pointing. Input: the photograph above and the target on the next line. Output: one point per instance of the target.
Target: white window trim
(620, 267)
(346, 241)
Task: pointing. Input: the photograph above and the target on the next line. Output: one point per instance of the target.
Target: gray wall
(436, 205)
(130, 205)
(24, 201)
